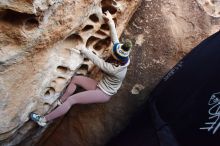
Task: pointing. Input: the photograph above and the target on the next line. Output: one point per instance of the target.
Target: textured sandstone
(212, 7)
(38, 53)
(28, 6)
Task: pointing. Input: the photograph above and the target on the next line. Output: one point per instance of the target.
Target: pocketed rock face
(39, 42)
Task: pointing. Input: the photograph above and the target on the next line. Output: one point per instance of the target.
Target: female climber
(115, 68)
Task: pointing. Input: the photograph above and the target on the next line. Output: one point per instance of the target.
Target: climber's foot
(38, 119)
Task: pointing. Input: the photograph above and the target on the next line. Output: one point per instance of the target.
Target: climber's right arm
(108, 18)
(113, 32)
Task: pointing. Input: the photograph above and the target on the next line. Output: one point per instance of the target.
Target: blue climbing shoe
(38, 119)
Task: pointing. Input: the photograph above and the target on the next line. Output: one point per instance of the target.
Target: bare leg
(91, 96)
(82, 81)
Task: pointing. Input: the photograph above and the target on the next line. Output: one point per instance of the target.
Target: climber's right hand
(107, 16)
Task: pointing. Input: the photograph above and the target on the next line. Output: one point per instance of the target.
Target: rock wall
(38, 53)
(162, 33)
(211, 7)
